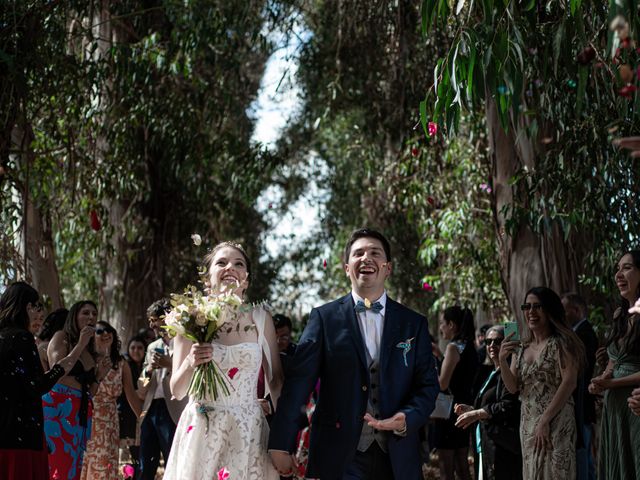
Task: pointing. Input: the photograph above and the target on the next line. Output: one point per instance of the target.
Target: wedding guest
(35, 323)
(161, 411)
(619, 456)
(377, 389)
(634, 401)
(52, 324)
(148, 334)
(101, 457)
(496, 415)
(575, 309)
(457, 374)
(481, 348)
(287, 348)
(129, 421)
(23, 453)
(553, 352)
(67, 407)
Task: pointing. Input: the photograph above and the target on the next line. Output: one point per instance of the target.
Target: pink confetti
(432, 128)
(415, 152)
(128, 471)
(223, 474)
(485, 187)
(95, 220)
(426, 287)
(232, 372)
(324, 263)
(189, 428)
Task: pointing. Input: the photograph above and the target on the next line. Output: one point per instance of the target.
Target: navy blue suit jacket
(332, 349)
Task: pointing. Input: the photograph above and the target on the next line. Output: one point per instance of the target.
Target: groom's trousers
(372, 464)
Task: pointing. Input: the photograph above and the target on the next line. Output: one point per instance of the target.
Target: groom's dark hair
(366, 233)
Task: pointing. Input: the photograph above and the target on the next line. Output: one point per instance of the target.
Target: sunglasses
(493, 341)
(38, 306)
(100, 331)
(530, 306)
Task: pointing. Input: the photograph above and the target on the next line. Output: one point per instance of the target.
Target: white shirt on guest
(371, 323)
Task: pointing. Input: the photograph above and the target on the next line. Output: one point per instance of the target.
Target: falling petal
(197, 239)
(95, 221)
(415, 152)
(432, 128)
(426, 287)
(189, 428)
(324, 263)
(223, 474)
(232, 373)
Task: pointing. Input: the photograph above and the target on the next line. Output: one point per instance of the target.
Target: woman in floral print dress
(101, 457)
(545, 373)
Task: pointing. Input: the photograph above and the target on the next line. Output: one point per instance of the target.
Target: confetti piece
(189, 428)
(432, 128)
(625, 72)
(485, 187)
(128, 471)
(324, 263)
(431, 201)
(232, 373)
(95, 221)
(415, 152)
(426, 287)
(586, 55)
(571, 83)
(197, 239)
(627, 91)
(223, 474)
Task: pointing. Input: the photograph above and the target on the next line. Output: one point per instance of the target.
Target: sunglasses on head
(530, 306)
(100, 331)
(493, 341)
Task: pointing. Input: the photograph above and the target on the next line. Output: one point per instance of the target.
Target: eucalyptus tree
(554, 81)
(139, 141)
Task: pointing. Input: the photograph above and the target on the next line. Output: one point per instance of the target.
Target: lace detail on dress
(230, 432)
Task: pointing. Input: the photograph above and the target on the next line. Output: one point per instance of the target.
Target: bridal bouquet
(199, 317)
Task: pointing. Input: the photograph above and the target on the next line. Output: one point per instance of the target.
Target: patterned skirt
(66, 437)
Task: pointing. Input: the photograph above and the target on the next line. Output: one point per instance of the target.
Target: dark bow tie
(375, 307)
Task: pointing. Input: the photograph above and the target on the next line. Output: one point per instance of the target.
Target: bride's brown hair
(208, 259)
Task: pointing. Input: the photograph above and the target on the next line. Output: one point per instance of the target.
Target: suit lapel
(349, 313)
(389, 332)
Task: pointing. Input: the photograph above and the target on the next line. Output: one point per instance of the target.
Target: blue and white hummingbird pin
(406, 347)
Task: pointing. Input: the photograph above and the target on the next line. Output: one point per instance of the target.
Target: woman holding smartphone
(545, 372)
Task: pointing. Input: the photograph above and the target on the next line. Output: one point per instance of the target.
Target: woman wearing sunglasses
(495, 417)
(101, 457)
(545, 372)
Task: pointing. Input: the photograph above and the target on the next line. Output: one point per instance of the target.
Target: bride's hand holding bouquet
(200, 316)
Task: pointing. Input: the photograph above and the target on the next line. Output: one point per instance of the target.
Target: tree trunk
(527, 258)
(37, 249)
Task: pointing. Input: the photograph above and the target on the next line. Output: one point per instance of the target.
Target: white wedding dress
(231, 432)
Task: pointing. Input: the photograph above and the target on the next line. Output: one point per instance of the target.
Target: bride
(227, 437)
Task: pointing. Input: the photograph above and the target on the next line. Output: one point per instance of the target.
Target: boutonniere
(406, 347)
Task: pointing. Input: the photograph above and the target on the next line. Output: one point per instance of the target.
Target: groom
(378, 382)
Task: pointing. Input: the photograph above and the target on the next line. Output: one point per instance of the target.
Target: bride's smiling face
(228, 268)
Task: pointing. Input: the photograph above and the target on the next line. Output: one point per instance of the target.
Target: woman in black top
(22, 451)
(128, 419)
(457, 373)
(495, 418)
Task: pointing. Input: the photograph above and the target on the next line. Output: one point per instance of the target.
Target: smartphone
(509, 328)
(159, 350)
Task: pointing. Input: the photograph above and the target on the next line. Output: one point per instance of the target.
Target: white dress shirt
(371, 324)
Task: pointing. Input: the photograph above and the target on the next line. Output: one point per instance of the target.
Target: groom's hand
(283, 461)
(397, 423)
